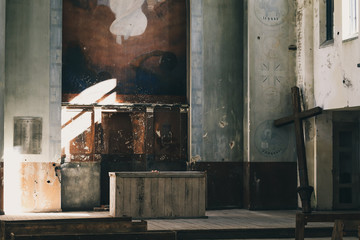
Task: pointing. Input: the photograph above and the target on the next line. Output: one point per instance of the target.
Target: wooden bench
(11, 228)
(149, 235)
(339, 218)
(342, 227)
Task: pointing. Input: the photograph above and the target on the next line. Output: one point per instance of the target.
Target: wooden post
(304, 190)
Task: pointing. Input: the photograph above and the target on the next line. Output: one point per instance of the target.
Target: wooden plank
(148, 211)
(179, 188)
(168, 205)
(202, 197)
(166, 174)
(126, 198)
(137, 197)
(188, 197)
(330, 216)
(177, 196)
(195, 197)
(157, 197)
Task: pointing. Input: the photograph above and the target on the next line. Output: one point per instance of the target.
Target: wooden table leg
(300, 227)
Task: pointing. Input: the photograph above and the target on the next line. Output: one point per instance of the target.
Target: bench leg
(338, 230)
(300, 227)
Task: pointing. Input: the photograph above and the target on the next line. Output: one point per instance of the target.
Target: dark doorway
(346, 165)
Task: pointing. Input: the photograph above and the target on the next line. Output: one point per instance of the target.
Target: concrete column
(216, 80)
(196, 82)
(32, 105)
(2, 73)
(305, 81)
(271, 74)
(2, 93)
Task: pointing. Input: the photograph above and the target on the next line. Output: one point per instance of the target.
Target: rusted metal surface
(128, 138)
(40, 186)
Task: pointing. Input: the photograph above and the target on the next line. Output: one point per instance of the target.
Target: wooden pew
(337, 217)
(342, 227)
(11, 228)
(149, 235)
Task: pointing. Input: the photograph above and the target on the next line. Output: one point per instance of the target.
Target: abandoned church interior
(94, 87)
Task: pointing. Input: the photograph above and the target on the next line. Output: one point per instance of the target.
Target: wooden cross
(304, 190)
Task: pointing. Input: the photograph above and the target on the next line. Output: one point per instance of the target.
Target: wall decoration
(28, 134)
(140, 43)
(271, 12)
(271, 141)
(272, 73)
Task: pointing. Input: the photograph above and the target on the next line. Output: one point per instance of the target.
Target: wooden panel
(271, 185)
(164, 194)
(218, 175)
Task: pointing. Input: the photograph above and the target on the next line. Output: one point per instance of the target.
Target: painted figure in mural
(156, 79)
(130, 20)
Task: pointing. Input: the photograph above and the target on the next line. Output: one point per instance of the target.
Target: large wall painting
(140, 43)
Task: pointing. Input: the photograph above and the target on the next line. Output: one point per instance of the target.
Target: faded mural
(140, 43)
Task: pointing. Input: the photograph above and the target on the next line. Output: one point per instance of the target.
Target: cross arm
(284, 121)
(301, 115)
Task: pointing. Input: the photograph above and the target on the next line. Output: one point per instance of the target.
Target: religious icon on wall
(139, 43)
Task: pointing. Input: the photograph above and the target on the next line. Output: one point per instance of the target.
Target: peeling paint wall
(33, 50)
(216, 80)
(327, 73)
(336, 72)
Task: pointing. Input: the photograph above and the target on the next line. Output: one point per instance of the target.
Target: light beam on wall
(92, 94)
(77, 121)
(12, 189)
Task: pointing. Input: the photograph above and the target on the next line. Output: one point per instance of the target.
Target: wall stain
(347, 82)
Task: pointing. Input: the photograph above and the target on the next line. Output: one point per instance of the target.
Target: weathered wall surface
(32, 103)
(81, 186)
(216, 80)
(335, 66)
(327, 73)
